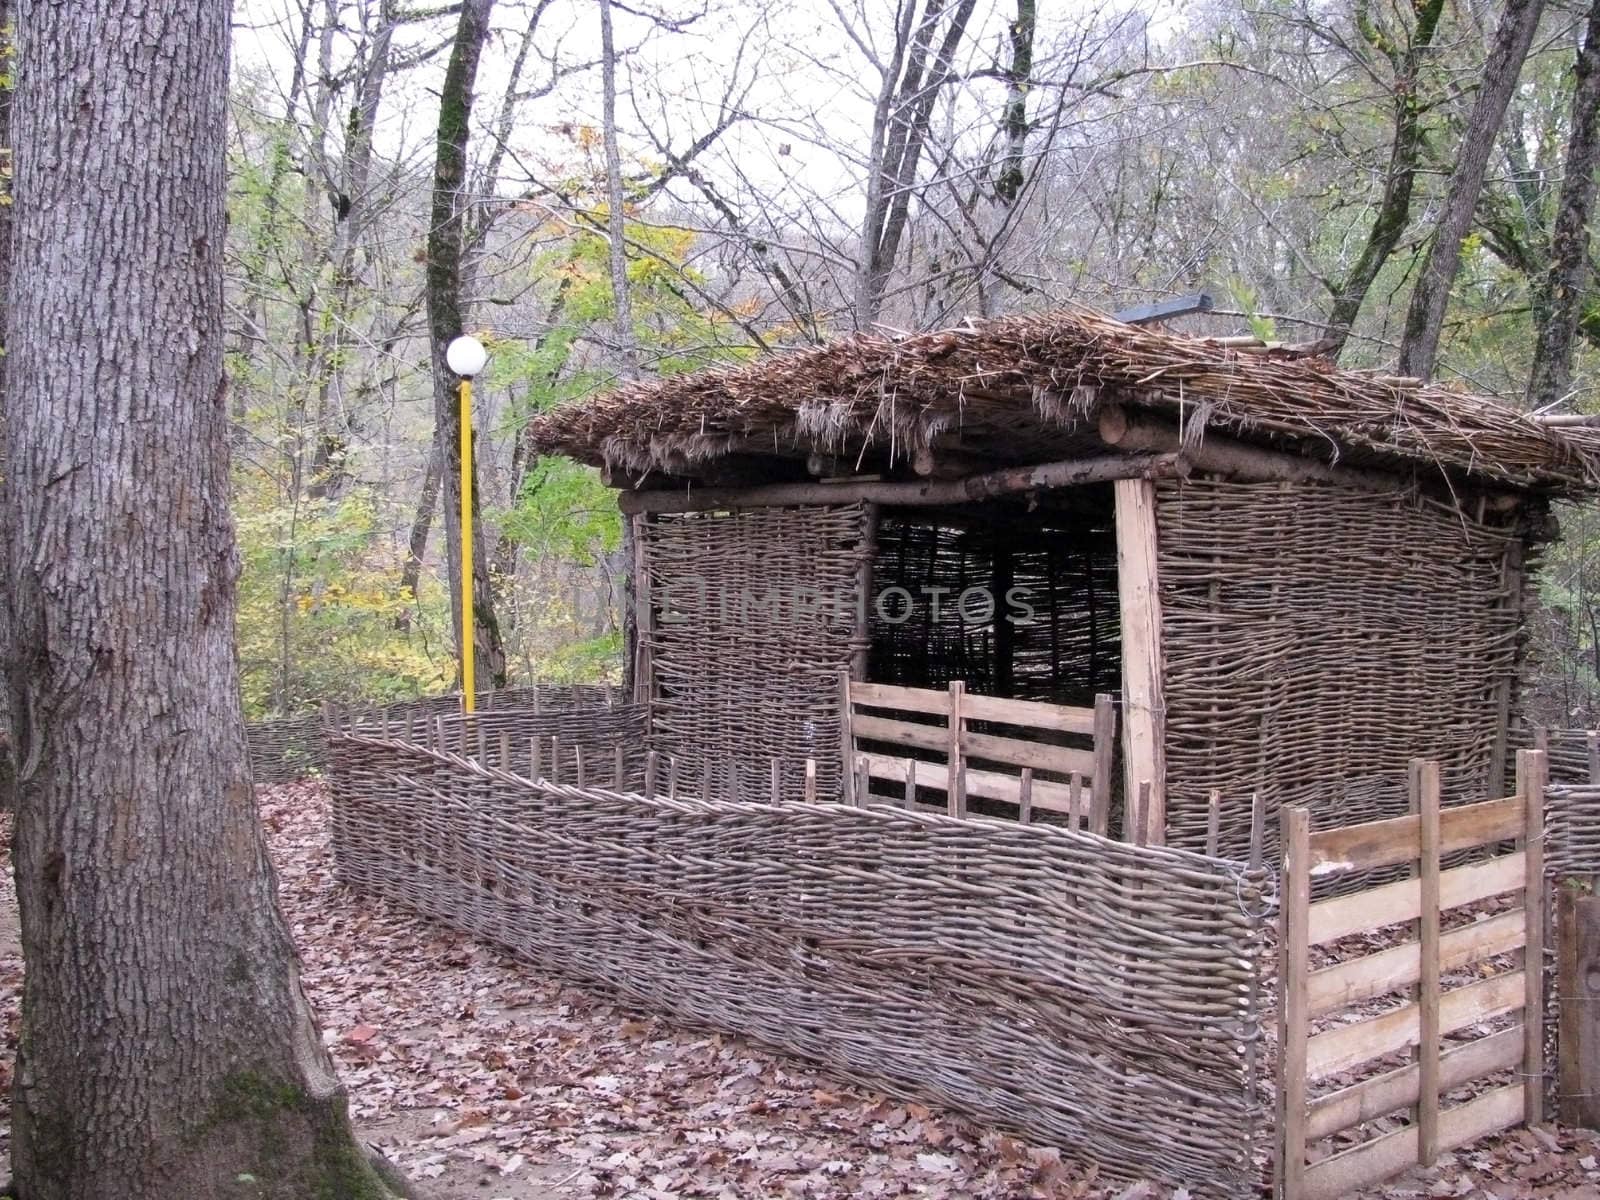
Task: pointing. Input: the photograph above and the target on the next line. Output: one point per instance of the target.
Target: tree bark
(1419, 345)
(167, 1049)
(417, 546)
(1560, 293)
(445, 243)
(1394, 209)
(1014, 122)
(616, 203)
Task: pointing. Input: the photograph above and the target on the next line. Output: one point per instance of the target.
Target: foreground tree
(167, 1049)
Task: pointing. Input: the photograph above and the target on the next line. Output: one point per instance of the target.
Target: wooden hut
(1292, 578)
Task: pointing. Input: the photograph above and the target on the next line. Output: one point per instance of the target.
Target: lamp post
(466, 357)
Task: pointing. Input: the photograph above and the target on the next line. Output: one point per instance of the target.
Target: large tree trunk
(1560, 293)
(445, 244)
(1419, 347)
(167, 1049)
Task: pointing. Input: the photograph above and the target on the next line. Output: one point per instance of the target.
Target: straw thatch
(1027, 387)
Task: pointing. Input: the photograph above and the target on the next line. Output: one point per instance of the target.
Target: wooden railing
(1416, 965)
(1017, 754)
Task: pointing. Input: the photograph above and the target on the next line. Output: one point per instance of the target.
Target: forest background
(604, 190)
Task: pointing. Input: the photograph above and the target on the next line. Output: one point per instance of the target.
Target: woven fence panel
(1572, 830)
(282, 751)
(285, 750)
(752, 618)
(1316, 640)
(1086, 993)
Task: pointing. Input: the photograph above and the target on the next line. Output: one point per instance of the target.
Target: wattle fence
(291, 748)
(1099, 996)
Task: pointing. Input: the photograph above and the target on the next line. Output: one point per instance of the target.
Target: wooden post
(1105, 737)
(643, 619)
(1294, 935)
(1578, 993)
(652, 763)
(811, 781)
(956, 784)
(1592, 740)
(1425, 788)
(910, 800)
(1213, 821)
(672, 777)
(847, 742)
(1531, 768)
(1025, 798)
(777, 782)
(861, 638)
(1143, 706)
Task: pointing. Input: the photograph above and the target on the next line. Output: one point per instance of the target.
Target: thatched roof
(1028, 388)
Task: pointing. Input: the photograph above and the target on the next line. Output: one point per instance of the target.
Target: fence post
(1531, 768)
(1294, 935)
(1425, 790)
(1578, 994)
(956, 783)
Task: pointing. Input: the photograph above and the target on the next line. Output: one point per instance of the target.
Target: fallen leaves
(483, 1078)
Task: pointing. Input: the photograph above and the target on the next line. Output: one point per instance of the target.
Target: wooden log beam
(1008, 481)
(1220, 455)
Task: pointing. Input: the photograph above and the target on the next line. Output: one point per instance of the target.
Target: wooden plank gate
(1315, 1046)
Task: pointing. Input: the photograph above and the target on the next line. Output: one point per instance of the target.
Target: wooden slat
(1373, 975)
(1033, 714)
(1351, 1045)
(899, 733)
(989, 785)
(1396, 840)
(1393, 903)
(1293, 1023)
(956, 793)
(1372, 1098)
(1064, 760)
(1382, 1157)
(907, 699)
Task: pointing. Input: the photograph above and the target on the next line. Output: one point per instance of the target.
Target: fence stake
(672, 777)
(777, 783)
(1213, 822)
(705, 778)
(957, 781)
(863, 782)
(1593, 740)
(1025, 798)
(1141, 830)
(583, 774)
(1531, 768)
(811, 781)
(535, 768)
(1258, 830)
(555, 759)
(911, 783)
(1294, 934)
(505, 752)
(650, 768)
(1425, 787)
(620, 763)
(847, 741)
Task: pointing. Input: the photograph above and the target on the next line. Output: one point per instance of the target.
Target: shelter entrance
(1017, 600)
(1014, 600)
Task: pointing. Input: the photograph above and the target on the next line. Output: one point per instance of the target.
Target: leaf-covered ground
(483, 1079)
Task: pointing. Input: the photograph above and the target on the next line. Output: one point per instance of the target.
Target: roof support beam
(1005, 482)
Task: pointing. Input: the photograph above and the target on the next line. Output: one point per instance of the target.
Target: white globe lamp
(466, 357)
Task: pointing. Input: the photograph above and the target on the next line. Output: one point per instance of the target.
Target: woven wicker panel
(1316, 640)
(1064, 570)
(753, 614)
(1083, 992)
(285, 750)
(1572, 830)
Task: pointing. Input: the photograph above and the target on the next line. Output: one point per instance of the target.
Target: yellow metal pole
(469, 624)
